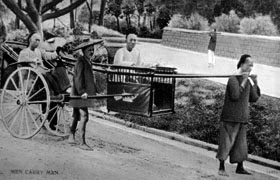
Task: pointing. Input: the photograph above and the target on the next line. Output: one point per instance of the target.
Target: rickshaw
(26, 103)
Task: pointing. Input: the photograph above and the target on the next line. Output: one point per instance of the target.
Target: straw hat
(88, 43)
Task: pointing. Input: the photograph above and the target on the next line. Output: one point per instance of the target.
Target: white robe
(128, 58)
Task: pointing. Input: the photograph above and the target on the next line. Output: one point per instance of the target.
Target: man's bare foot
(223, 172)
(85, 147)
(71, 139)
(242, 171)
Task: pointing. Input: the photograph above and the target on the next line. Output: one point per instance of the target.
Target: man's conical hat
(90, 42)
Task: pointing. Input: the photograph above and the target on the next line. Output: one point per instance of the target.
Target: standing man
(241, 90)
(128, 55)
(212, 48)
(83, 86)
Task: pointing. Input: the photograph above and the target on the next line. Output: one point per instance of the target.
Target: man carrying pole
(241, 90)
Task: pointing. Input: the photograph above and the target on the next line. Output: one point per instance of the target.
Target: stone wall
(264, 49)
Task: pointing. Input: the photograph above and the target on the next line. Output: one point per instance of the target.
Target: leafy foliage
(228, 23)
(163, 17)
(19, 35)
(195, 21)
(262, 25)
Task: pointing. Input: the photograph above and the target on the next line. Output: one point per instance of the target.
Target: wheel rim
(60, 112)
(25, 102)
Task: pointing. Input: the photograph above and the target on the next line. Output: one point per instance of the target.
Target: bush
(144, 32)
(178, 21)
(228, 23)
(18, 35)
(261, 25)
(156, 34)
(195, 22)
(163, 17)
(110, 22)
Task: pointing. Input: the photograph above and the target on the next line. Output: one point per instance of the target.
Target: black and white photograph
(139, 90)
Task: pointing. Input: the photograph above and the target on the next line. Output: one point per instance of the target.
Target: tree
(91, 16)
(101, 14)
(128, 10)
(72, 18)
(17, 21)
(163, 17)
(114, 8)
(36, 11)
(150, 9)
(140, 9)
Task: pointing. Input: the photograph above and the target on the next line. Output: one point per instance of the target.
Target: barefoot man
(83, 86)
(240, 90)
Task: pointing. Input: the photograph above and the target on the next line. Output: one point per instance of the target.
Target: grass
(198, 105)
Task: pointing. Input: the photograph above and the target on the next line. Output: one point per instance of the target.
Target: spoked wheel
(59, 119)
(25, 102)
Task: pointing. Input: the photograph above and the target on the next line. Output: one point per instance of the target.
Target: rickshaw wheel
(60, 113)
(25, 102)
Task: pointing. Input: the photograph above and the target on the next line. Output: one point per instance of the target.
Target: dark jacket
(236, 104)
(83, 82)
(212, 42)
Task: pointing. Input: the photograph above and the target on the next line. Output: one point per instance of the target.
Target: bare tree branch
(31, 10)
(63, 11)
(38, 5)
(12, 5)
(50, 6)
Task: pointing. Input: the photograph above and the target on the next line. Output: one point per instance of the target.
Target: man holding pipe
(241, 90)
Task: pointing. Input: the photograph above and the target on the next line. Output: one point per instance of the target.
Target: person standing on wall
(241, 89)
(212, 48)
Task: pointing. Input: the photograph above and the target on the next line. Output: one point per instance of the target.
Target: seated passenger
(57, 78)
(128, 55)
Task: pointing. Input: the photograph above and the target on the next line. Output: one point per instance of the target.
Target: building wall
(264, 49)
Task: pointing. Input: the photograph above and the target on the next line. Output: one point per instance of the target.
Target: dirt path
(118, 155)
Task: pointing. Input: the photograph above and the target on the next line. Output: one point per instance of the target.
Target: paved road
(120, 153)
(194, 62)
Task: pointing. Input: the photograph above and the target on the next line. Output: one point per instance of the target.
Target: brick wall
(265, 50)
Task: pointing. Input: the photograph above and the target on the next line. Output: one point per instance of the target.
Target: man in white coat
(128, 55)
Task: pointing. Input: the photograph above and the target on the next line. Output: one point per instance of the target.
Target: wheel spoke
(11, 112)
(32, 118)
(50, 120)
(9, 104)
(15, 118)
(59, 118)
(26, 121)
(10, 93)
(33, 95)
(21, 81)
(21, 122)
(27, 82)
(53, 108)
(14, 84)
(35, 111)
(28, 77)
(32, 87)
